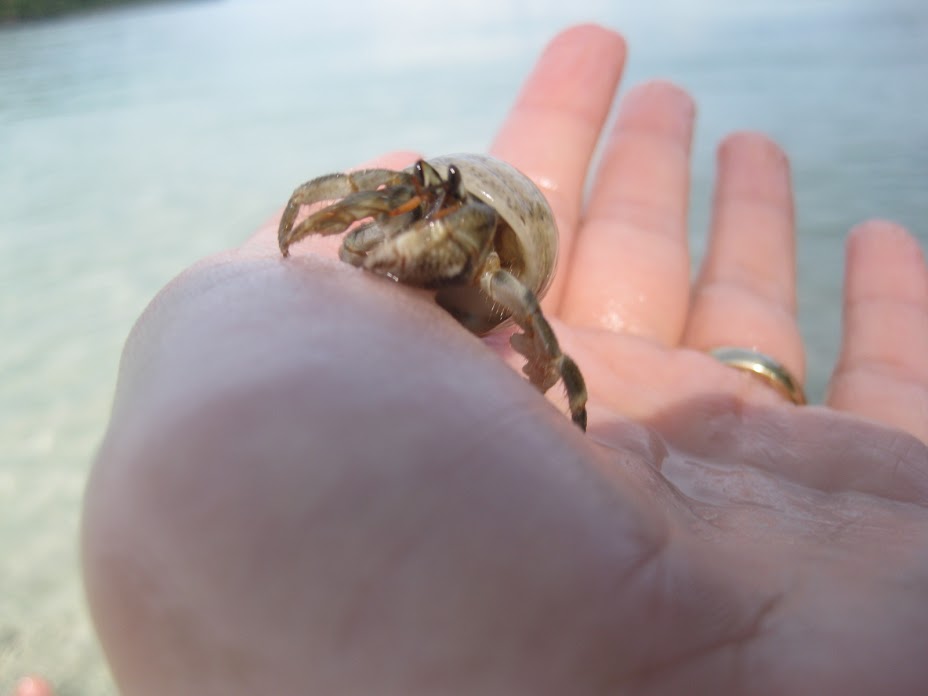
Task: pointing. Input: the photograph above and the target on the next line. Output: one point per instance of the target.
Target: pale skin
(316, 482)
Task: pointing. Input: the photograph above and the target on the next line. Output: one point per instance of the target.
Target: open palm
(314, 481)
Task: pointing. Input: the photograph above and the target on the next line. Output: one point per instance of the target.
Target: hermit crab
(471, 227)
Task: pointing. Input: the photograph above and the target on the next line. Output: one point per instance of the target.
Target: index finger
(556, 120)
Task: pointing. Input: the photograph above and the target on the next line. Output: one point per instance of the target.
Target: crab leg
(364, 238)
(546, 363)
(358, 195)
(436, 250)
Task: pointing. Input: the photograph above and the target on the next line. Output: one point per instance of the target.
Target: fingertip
(590, 33)
(749, 138)
(576, 74)
(879, 226)
(659, 107)
(33, 686)
(882, 233)
(661, 89)
(753, 166)
(885, 261)
(757, 146)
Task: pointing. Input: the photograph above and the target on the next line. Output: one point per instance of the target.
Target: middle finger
(630, 268)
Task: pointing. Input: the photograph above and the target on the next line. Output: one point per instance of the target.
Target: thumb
(311, 467)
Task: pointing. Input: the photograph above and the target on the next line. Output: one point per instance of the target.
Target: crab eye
(420, 172)
(426, 174)
(455, 183)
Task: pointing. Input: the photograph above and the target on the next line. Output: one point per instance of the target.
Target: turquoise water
(134, 141)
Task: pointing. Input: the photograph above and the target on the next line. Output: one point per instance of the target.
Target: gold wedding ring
(763, 366)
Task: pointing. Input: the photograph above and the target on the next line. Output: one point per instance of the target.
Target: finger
(745, 295)
(33, 686)
(556, 120)
(630, 268)
(882, 372)
(264, 241)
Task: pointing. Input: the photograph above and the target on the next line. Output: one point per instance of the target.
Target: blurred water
(134, 141)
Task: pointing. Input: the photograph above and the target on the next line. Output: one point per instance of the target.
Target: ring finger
(745, 295)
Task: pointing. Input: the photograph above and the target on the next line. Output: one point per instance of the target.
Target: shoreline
(14, 12)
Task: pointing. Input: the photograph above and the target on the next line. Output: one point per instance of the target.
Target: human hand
(32, 686)
(315, 482)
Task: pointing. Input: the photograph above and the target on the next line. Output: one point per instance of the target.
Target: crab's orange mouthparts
(408, 206)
